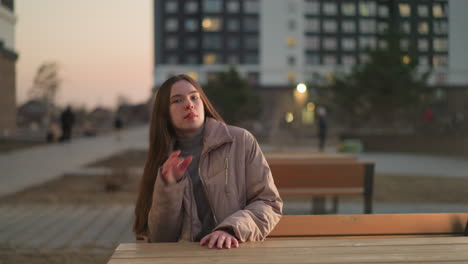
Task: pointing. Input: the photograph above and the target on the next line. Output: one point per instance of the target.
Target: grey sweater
(193, 147)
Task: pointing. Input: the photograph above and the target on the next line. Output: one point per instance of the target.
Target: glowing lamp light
(301, 88)
(289, 117)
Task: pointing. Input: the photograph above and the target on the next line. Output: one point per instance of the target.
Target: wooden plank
(182, 253)
(308, 242)
(379, 224)
(308, 192)
(318, 175)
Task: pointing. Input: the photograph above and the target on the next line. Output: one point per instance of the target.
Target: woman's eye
(176, 101)
(194, 97)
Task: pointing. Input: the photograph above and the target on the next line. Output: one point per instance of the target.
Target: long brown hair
(161, 135)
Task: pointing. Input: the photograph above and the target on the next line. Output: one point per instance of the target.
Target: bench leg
(335, 205)
(318, 205)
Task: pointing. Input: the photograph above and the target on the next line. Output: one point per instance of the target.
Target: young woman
(203, 180)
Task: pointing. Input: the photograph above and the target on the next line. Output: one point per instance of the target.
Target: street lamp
(301, 88)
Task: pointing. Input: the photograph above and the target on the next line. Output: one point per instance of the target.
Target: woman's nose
(190, 106)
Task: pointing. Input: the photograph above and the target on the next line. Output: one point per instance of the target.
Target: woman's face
(186, 109)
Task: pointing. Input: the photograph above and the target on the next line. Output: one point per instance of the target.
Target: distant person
(53, 133)
(427, 115)
(322, 127)
(204, 180)
(118, 125)
(67, 120)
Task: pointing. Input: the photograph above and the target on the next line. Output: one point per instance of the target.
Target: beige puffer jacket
(239, 187)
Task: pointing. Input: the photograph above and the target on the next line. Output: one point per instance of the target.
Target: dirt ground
(120, 186)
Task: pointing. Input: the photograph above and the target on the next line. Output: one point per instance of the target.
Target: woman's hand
(174, 167)
(220, 239)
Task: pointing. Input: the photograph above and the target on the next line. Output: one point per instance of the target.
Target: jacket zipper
(226, 167)
(207, 196)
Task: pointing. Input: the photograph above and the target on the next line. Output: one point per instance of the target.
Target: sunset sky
(103, 47)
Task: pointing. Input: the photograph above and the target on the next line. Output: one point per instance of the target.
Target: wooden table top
(340, 250)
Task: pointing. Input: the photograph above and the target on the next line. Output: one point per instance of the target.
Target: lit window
(291, 42)
(312, 59)
(423, 45)
(251, 6)
(172, 24)
(329, 8)
(329, 43)
(405, 10)
(211, 24)
(232, 6)
(251, 42)
(233, 43)
(251, 24)
(171, 43)
(440, 44)
(232, 24)
(191, 43)
(291, 77)
(191, 25)
(312, 7)
(329, 26)
(349, 9)
(367, 42)
(440, 60)
(171, 6)
(423, 10)
(212, 5)
(404, 44)
(251, 59)
(438, 11)
(212, 42)
(193, 75)
(329, 60)
(348, 44)
(312, 25)
(211, 76)
(406, 59)
(367, 26)
(348, 26)
(423, 28)
(191, 7)
(440, 27)
(348, 60)
(288, 117)
(209, 58)
(312, 43)
(383, 11)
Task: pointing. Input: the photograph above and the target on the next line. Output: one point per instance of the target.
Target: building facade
(283, 42)
(8, 59)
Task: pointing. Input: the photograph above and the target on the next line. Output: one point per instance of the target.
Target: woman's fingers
(228, 242)
(221, 240)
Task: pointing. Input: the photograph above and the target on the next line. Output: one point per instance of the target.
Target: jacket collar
(216, 134)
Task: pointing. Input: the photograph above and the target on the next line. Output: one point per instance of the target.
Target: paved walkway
(28, 167)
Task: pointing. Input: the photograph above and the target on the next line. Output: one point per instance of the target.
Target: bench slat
(378, 224)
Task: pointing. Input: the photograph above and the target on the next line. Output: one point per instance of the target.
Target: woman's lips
(190, 116)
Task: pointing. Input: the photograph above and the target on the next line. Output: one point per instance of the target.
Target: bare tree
(45, 87)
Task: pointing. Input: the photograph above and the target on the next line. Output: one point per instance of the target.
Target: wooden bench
(443, 224)
(333, 178)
